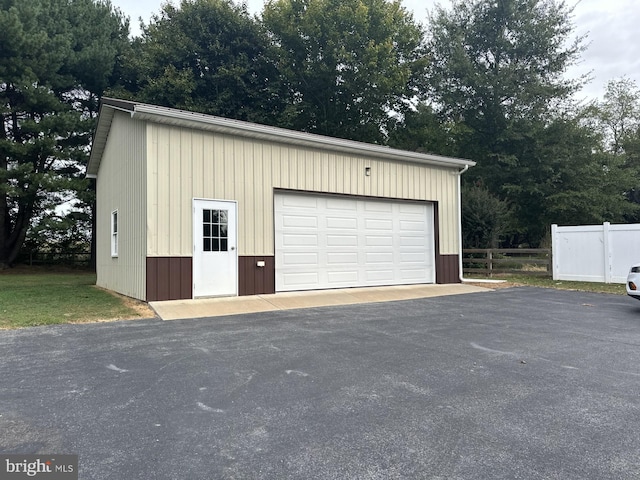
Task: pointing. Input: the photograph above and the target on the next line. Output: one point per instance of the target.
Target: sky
(610, 25)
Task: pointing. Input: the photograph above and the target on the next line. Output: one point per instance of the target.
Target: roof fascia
(181, 118)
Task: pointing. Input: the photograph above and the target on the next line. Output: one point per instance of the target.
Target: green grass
(33, 297)
(46, 298)
(548, 282)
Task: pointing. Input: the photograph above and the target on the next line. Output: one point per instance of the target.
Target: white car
(633, 282)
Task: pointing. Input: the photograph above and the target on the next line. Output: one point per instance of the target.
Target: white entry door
(339, 241)
(215, 253)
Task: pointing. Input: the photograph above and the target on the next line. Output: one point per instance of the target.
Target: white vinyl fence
(595, 253)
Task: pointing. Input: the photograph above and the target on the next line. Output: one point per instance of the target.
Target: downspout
(459, 174)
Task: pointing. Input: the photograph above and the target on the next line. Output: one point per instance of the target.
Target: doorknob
(233, 248)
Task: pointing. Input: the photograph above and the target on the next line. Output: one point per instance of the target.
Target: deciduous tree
(349, 64)
(618, 114)
(497, 69)
(208, 56)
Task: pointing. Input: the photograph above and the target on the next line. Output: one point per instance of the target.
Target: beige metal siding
(209, 165)
(121, 187)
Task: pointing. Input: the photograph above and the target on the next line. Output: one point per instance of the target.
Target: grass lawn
(548, 282)
(30, 297)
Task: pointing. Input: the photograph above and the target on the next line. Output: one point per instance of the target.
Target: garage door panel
(378, 224)
(300, 221)
(411, 208)
(409, 226)
(339, 204)
(342, 240)
(296, 240)
(413, 274)
(340, 258)
(373, 258)
(300, 279)
(350, 242)
(375, 277)
(414, 257)
(294, 259)
(297, 202)
(413, 241)
(344, 223)
(343, 278)
(378, 241)
(377, 206)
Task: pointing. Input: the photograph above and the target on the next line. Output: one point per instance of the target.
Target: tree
(575, 181)
(55, 59)
(100, 40)
(484, 218)
(497, 70)
(349, 64)
(618, 114)
(631, 147)
(422, 130)
(208, 56)
(499, 61)
(69, 232)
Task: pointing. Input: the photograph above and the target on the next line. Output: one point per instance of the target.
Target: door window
(215, 227)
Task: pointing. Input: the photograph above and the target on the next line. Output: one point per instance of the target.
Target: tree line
(483, 80)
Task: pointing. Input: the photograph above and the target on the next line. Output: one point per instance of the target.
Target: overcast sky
(611, 25)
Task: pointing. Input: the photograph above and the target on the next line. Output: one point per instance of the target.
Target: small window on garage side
(114, 233)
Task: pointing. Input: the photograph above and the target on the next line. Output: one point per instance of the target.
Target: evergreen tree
(57, 56)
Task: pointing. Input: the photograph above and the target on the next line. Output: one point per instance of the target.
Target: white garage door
(335, 242)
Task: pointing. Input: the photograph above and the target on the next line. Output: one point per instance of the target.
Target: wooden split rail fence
(490, 261)
(477, 261)
(69, 258)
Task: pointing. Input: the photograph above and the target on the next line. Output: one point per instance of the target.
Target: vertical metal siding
(121, 186)
(192, 163)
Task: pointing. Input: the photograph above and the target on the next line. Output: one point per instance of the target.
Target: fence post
(554, 251)
(607, 252)
(490, 263)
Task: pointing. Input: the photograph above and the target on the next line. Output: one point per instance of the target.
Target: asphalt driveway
(517, 383)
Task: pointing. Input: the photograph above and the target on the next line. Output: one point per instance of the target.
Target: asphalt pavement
(517, 383)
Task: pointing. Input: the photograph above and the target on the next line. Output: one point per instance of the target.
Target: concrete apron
(215, 307)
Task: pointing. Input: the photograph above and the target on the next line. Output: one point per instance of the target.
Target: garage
(209, 207)
(338, 241)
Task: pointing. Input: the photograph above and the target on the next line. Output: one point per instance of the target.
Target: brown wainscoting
(254, 280)
(169, 278)
(447, 269)
(447, 266)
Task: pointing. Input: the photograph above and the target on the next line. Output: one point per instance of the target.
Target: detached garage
(192, 205)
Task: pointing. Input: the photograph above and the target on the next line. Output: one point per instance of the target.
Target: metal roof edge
(108, 106)
(172, 116)
(105, 116)
(127, 105)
